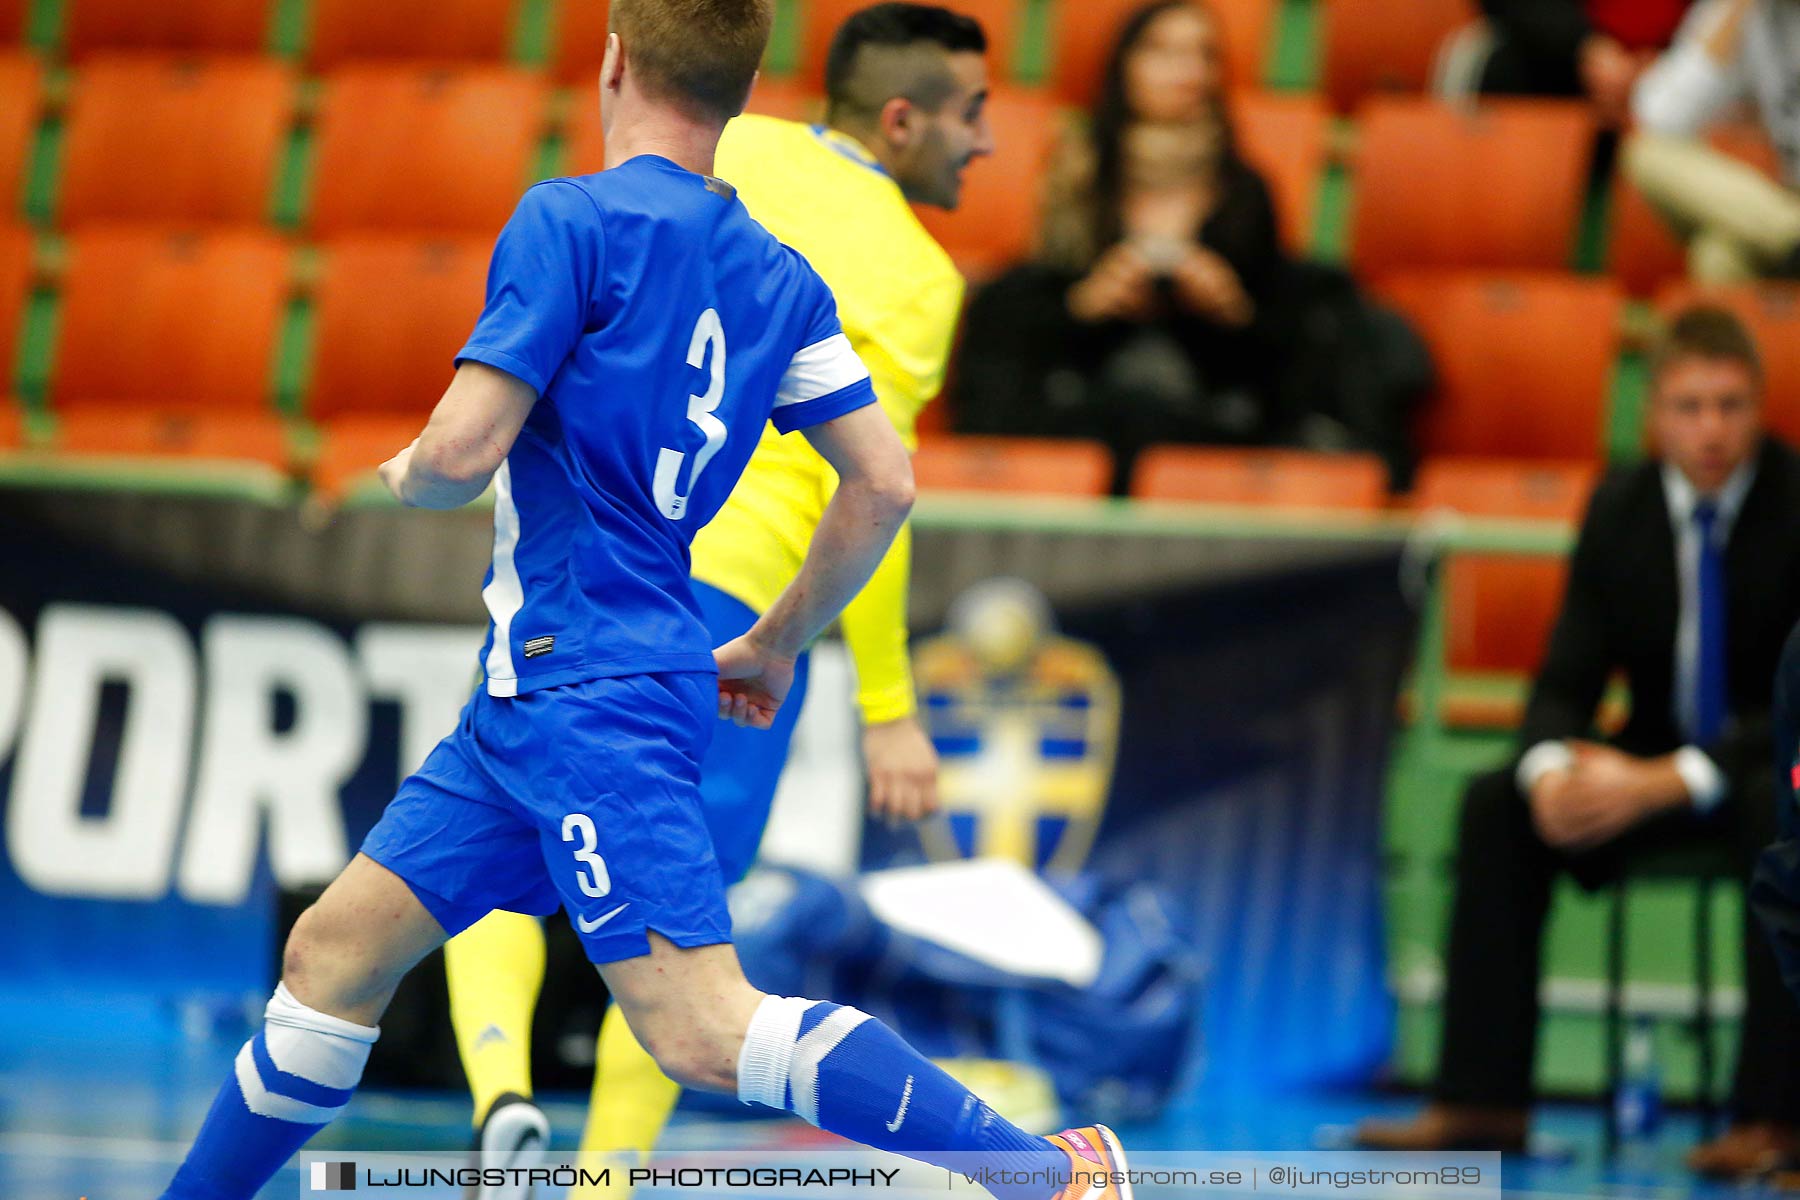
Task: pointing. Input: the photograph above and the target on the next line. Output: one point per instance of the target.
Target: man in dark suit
(1685, 579)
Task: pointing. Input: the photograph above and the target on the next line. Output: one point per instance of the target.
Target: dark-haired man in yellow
(907, 88)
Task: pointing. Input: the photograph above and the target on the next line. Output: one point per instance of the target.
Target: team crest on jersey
(1026, 724)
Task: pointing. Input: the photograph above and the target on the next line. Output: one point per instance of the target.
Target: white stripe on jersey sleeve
(505, 595)
(819, 370)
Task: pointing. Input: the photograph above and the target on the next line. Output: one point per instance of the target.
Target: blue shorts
(742, 767)
(585, 796)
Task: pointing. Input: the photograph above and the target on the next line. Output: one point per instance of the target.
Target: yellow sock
(495, 969)
(631, 1104)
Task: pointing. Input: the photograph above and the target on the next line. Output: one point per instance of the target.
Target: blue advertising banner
(1252, 762)
(174, 754)
(170, 755)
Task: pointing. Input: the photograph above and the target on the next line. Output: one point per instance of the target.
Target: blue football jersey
(662, 328)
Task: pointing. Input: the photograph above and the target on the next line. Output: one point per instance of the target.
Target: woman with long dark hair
(1146, 314)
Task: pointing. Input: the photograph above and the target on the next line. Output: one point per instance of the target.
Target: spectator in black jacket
(1685, 579)
(1592, 48)
(1147, 314)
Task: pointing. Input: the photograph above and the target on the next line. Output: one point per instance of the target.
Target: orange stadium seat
(1000, 18)
(1499, 187)
(1642, 252)
(1386, 45)
(1771, 311)
(997, 220)
(788, 99)
(1284, 137)
(1025, 465)
(435, 30)
(213, 26)
(153, 138)
(391, 313)
(1086, 31)
(425, 149)
(584, 141)
(166, 343)
(1521, 489)
(130, 431)
(1501, 607)
(1263, 478)
(351, 447)
(1524, 361)
(17, 272)
(21, 107)
(580, 42)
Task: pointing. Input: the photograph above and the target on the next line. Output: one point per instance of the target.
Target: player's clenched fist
(393, 471)
(753, 682)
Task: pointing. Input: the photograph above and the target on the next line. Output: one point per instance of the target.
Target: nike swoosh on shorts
(587, 926)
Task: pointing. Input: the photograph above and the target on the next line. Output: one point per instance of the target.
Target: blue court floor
(97, 1105)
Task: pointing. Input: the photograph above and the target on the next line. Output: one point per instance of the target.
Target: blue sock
(290, 1080)
(845, 1072)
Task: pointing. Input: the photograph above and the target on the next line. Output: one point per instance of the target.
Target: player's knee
(1643, 157)
(302, 951)
(698, 1047)
(306, 967)
(692, 1057)
(315, 963)
(326, 969)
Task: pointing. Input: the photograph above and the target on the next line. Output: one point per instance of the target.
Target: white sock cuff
(283, 1009)
(324, 1049)
(316, 1061)
(769, 1050)
(810, 1053)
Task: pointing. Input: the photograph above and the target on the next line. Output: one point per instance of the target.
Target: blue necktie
(1709, 668)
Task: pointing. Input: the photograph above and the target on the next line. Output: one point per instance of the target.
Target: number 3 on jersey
(591, 875)
(709, 333)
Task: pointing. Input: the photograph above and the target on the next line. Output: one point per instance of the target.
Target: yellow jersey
(899, 297)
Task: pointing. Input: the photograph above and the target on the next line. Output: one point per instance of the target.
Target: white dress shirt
(1705, 782)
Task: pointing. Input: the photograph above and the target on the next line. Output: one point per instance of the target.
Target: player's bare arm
(872, 502)
(470, 433)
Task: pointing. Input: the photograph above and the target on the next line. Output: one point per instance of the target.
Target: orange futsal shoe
(1096, 1164)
